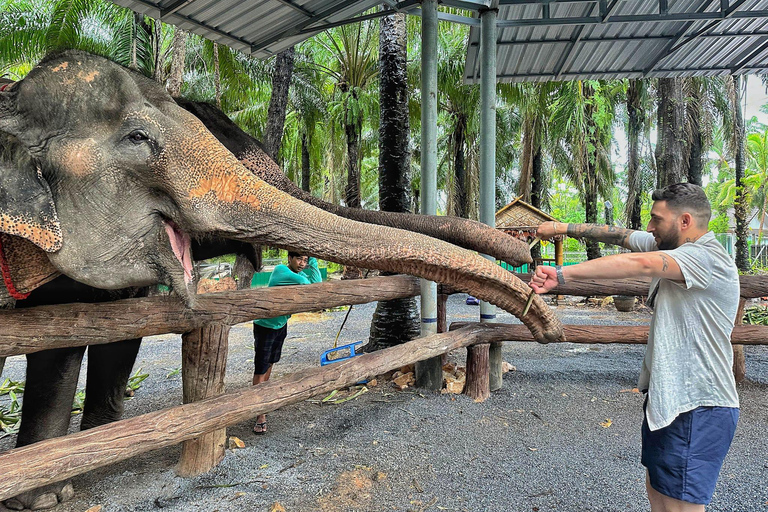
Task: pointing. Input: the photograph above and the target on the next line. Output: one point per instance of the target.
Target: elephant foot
(42, 498)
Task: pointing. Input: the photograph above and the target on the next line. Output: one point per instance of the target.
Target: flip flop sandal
(260, 429)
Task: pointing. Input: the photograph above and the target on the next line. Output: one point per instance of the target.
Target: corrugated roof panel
(265, 27)
(635, 40)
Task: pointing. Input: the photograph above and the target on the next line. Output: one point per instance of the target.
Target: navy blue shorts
(268, 347)
(684, 458)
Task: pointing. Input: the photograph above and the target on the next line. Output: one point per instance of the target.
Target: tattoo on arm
(602, 233)
(665, 263)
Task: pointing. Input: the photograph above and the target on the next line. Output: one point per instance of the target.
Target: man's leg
(261, 419)
(661, 503)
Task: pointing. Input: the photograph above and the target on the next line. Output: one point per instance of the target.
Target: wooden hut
(520, 220)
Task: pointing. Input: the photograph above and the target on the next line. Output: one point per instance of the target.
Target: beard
(669, 240)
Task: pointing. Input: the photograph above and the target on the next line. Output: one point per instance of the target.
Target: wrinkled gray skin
(133, 176)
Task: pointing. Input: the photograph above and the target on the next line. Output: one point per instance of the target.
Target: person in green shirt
(269, 333)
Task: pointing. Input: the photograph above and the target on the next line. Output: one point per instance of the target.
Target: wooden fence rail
(751, 287)
(611, 334)
(69, 325)
(60, 458)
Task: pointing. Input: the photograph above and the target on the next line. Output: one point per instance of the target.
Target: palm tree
(352, 65)
(581, 123)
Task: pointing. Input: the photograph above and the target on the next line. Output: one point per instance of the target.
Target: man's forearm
(602, 233)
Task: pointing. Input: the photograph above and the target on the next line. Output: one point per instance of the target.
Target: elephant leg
(46, 411)
(109, 368)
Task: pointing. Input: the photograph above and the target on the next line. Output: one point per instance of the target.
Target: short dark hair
(292, 254)
(686, 198)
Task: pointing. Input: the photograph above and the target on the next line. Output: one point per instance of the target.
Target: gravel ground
(562, 434)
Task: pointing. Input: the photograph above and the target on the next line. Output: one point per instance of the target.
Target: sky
(755, 97)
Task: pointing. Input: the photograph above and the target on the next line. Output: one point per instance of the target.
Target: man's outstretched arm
(618, 266)
(602, 233)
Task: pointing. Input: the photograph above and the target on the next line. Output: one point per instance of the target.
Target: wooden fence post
(739, 362)
(478, 367)
(204, 362)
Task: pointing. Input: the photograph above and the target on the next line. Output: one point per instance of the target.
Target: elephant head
(124, 178)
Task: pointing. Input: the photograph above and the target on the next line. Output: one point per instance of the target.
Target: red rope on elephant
(6, 271)
(2, 87)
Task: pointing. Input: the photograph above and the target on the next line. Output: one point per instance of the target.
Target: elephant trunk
(229, 201)
(466, 233)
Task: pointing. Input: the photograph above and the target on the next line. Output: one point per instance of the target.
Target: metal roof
(541, 40)
(266, 27)
(259, 27)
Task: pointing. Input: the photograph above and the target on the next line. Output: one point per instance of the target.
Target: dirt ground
(561, 435)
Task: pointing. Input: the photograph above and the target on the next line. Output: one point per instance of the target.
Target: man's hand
(546, 230)
(544, 279)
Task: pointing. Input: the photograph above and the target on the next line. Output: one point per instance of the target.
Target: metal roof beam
(472, 5)
(635, 73)
(606, 11)
(745, 62)
(295, 30)
(528, 2)
(173, 7)
(356, 19)
(568, 56)
(632, 18)
(620, 39)
(453, 18)
(297, 8)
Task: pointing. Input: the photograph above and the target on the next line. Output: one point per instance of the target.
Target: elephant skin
(123, 180)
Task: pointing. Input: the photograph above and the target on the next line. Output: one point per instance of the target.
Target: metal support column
(488, 160)
(429, 373)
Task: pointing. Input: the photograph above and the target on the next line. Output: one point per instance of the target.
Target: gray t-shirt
(688, 360)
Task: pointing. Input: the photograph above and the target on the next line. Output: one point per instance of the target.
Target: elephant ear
(26, 203)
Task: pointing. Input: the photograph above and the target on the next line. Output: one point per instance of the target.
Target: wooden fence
(205, 328)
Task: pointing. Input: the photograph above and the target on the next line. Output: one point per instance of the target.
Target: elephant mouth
(181, 246)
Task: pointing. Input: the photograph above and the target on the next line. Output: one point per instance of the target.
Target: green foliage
(756, 315)
(10, 414)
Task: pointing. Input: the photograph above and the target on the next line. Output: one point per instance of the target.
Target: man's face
(297, 263)
(664, 226)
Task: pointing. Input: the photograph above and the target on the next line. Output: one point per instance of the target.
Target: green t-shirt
(284, 276)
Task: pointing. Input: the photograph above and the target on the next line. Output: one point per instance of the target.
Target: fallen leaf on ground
(235, 443)
(607, 423)
(277, 507)
(95, 508)
(633, 390)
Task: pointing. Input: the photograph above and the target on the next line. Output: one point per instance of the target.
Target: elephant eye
(138, 136)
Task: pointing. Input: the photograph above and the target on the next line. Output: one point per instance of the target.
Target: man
(269, 333)
(691, 406)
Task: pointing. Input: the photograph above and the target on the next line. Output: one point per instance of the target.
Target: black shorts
(268, 347)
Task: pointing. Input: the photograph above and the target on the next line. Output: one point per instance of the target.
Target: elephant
(105, 182)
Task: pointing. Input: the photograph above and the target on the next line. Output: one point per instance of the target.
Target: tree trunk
(590, 205)
(394, 321)
(670, 147)
(176, 75)
(636, 121)
(137, 21)
(243, 271)
(216, 75)
(352, 190)
(305, 164)
(157, 46)
(278, 103)
(740, 201)
(696, 157)
(537, 190)
(460, 206)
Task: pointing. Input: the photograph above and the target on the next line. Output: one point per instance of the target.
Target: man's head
(680, 214)
(296, 261)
